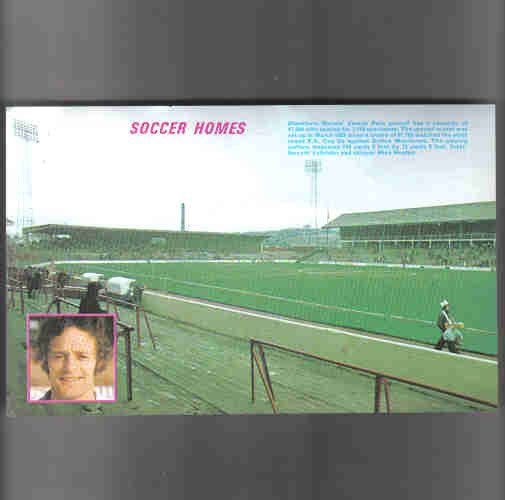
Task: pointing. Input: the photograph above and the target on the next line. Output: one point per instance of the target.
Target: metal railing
(382, 380)
(15, 287)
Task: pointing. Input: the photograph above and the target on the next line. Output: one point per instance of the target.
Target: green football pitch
(399, 302)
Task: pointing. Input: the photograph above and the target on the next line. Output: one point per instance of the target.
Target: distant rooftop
(469, 212)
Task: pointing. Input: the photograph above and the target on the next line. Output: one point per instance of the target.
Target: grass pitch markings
(257, 294)
(281, 299)
(224, 284)
(323, 328)
(385, 273)
(331, 273)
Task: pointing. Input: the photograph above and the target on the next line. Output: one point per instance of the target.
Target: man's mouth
(70, 379)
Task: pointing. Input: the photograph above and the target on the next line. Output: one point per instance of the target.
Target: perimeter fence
(299, 374)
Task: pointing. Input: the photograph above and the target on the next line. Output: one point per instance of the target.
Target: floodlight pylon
(28, 133)
(314, 168)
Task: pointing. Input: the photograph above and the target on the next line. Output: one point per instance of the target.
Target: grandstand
(102, 242)
(463, 234)
(460, 225)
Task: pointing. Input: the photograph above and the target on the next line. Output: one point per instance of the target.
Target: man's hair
(100, 327)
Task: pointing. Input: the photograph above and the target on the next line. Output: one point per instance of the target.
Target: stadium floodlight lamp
(313, 168)
(26, 130)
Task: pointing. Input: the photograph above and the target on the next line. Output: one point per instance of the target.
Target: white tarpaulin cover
(119, 286)
(92, 277)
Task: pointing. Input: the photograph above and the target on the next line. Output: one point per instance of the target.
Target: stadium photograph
(256, 259)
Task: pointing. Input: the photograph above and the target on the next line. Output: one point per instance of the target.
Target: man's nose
(70, 364)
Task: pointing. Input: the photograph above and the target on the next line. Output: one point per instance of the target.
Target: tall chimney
(182, 217)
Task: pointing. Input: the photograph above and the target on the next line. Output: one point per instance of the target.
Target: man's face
(72, 363)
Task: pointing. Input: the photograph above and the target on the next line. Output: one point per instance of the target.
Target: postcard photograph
(255, 259)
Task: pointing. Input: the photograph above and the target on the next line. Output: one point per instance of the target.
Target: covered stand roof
(109, 234)
(465, 212)
(87, 231)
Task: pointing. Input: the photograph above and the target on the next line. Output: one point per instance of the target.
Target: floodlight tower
(28, 133)
(313, 168)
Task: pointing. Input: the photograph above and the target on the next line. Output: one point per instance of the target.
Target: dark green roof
(469, 212)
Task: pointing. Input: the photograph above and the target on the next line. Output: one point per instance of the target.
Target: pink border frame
(28, 359)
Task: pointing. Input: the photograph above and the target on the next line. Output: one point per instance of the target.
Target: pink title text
(180, 128)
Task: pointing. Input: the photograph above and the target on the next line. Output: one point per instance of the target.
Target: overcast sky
(88, 169)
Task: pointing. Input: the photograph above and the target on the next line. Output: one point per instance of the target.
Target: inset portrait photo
(71, 358)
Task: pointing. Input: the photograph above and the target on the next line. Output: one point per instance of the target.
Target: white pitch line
(287, 299)
(258, 294)
(317, 327)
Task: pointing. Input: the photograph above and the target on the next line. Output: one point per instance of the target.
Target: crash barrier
(50, 289)
(139, 313)
(16, 288)
(382, 380)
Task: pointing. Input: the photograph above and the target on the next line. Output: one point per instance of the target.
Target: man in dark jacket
(36, 282)
(28, 279)
(61, 279)
(89, 303)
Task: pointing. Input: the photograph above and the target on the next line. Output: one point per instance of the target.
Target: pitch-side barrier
(382, 380)
(17, 288)
(139, 313)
